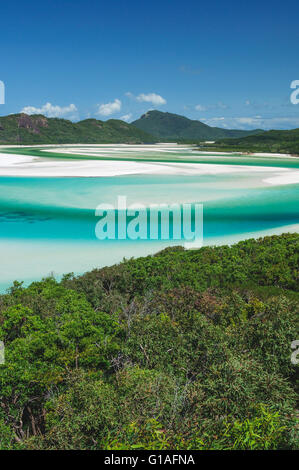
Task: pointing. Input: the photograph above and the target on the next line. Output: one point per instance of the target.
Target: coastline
(145, 147)
(56, 257)
(251, 154)
(31, 166)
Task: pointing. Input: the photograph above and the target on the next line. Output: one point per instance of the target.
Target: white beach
(26, 166)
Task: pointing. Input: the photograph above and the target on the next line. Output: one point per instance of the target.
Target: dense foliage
(181, 350)
(270, 141)
(37, 129)
(169, 126)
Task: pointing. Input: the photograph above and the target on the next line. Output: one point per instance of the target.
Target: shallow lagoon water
(47, 225)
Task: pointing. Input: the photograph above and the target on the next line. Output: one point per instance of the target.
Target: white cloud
(254, 122)
(199, 107)
(156, 100)
(247, 103)
(216, 119)
(217, 106)
(109, 108)
(153, 98)
(51, 110)
(126, 117)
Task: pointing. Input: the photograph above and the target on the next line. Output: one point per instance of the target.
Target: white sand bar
(19, 165)
(31, 166)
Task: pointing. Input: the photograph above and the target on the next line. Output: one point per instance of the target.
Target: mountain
(152, 127)
(269, 141)
(175, 127)
(38, 129)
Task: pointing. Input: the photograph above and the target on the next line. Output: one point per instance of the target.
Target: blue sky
(227, 63)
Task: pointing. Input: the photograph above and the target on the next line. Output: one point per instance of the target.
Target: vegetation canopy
(181, 350)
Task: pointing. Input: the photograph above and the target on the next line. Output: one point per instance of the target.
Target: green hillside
(175, 127)
(38, 129)
(152, 127)
(270, 141)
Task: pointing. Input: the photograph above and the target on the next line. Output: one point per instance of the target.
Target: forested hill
(38, 129)
(270, 141)
(175, 127)
(152, 127)
(181, 350)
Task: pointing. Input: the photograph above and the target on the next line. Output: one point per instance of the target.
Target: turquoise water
(48, 224)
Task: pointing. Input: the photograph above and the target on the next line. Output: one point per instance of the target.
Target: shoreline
(30, 166)
(251, 154)
(173, 146)
(57, 263)
(110, 160)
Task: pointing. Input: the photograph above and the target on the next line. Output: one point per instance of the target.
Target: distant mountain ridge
(152, 127)
(175, 127)
(38, 129)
